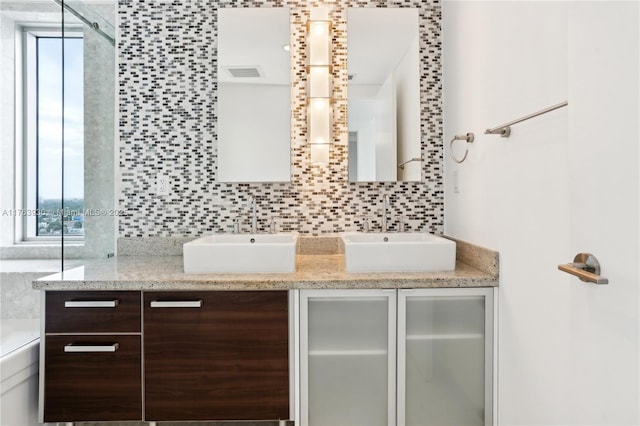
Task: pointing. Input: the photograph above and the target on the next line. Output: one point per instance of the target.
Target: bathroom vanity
(207, 355)
(135, 338)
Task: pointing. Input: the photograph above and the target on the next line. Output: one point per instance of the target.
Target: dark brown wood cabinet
(93, 312)
(189, 356)
(92, 356)
(216, 355)
(99, 382)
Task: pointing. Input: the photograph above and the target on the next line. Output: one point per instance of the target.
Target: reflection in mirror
(383, 63)
(254, 95)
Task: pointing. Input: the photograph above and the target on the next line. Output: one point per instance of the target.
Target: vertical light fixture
(319, 84)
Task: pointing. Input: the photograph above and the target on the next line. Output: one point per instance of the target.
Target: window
(54, 161)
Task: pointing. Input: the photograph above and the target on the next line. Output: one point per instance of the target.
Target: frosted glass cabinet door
(348, 357)
(444, 357)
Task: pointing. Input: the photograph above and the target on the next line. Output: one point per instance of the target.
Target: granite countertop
(475, 267)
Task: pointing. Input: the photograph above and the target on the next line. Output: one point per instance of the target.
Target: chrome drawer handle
(78, 348)
(90, 303)
(176, 303)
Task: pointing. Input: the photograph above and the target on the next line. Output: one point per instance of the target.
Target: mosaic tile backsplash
(167, 124)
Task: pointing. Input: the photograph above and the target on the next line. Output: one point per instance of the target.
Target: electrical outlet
(456, 182)
(162, 185)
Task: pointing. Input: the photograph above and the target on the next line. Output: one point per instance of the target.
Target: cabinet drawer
(92, 311)
(91, 378)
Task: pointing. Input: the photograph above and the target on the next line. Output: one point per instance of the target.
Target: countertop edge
(185, 286)
(464, 276)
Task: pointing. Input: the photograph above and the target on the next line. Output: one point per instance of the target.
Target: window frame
(27, 134)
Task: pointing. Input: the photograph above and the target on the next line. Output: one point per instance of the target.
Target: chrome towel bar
(401, 165)
(586, 267)
(505, 129)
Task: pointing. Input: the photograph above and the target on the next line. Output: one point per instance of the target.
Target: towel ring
(468, 138)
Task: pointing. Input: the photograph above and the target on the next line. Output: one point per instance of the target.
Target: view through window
(54, 216)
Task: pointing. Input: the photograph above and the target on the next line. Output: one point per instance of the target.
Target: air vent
(244, 72)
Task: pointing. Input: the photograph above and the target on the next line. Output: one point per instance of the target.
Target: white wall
(568, 351)
(604, 135)
(7, 127)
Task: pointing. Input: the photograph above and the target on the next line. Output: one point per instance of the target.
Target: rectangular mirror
(383, 62)
(254, 95)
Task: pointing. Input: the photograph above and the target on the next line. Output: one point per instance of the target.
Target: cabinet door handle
(176, 303)
(90, 303)
(79, 348)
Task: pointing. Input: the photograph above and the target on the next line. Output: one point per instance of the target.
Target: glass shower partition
(88, 129)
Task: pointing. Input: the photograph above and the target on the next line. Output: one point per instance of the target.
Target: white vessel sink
(398, 252)
(241, 254)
